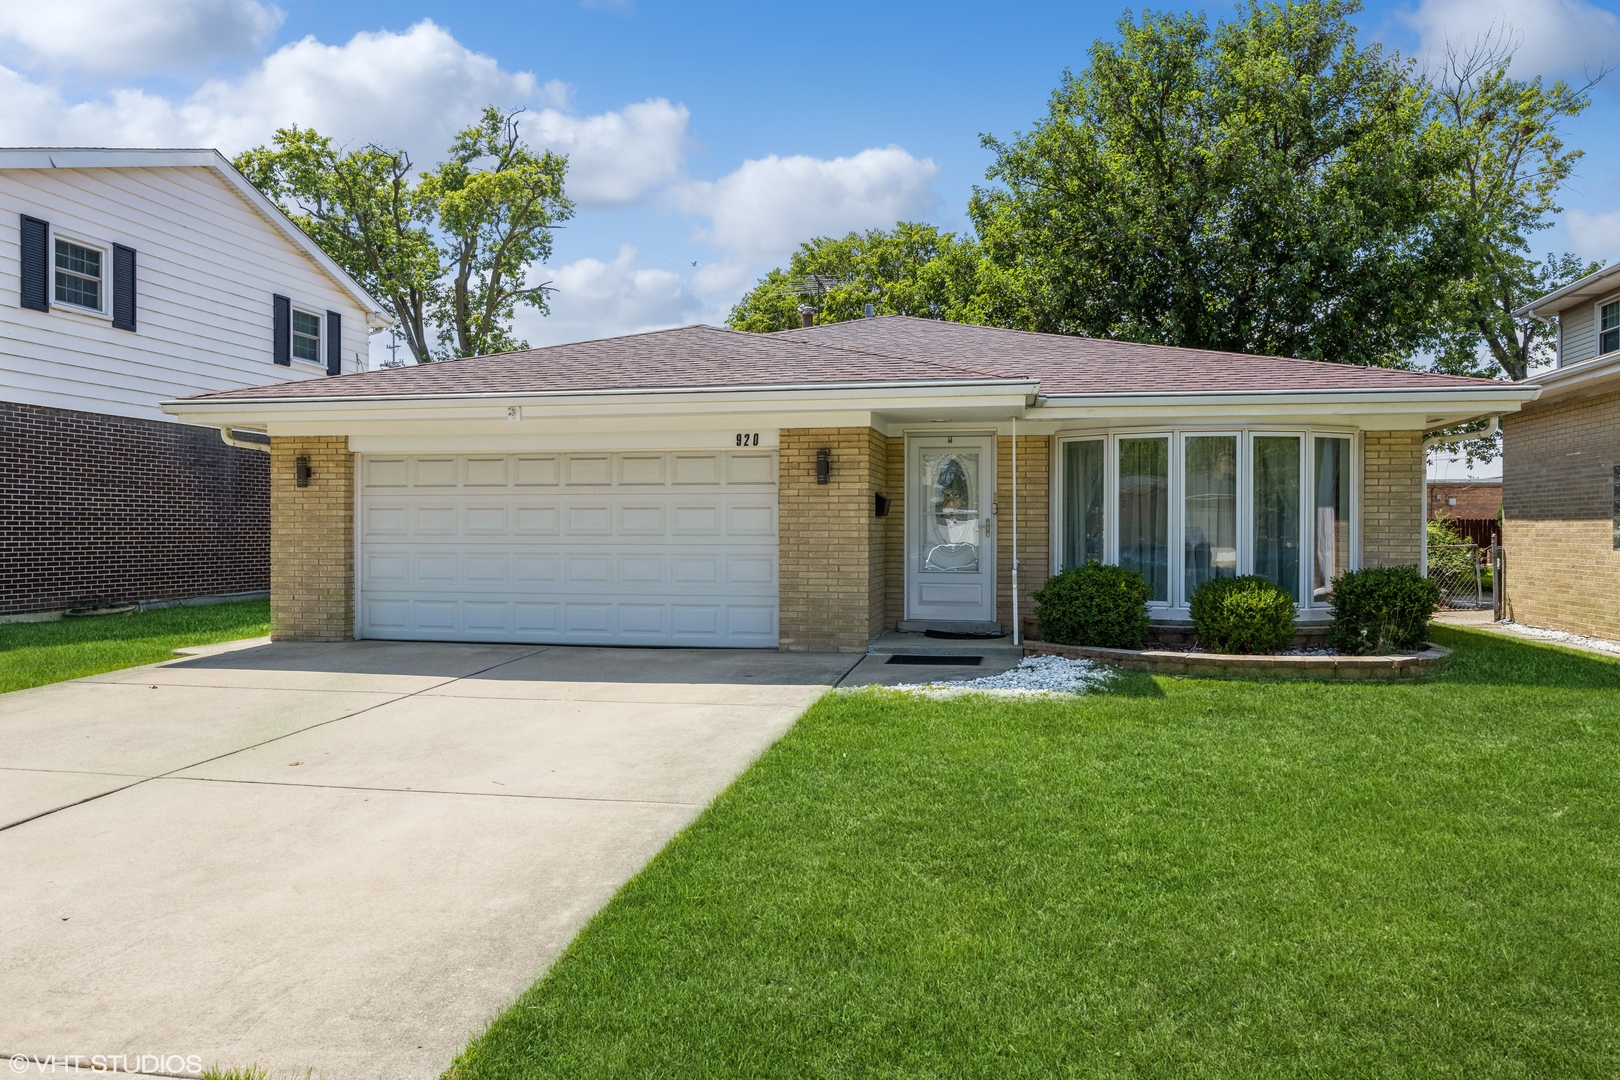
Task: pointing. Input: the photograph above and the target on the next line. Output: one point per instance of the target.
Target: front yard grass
(32, 654)
(1181, 878)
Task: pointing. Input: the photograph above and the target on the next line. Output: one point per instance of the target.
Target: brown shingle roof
(684, 358)
(1076, 365)
(888, 349)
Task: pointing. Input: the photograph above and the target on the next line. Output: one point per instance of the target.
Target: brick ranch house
(1561, 470)
(811, 488)
(127, 278)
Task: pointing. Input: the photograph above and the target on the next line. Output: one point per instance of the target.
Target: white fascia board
(1585, 377)
(1576, 291)
(1504, 397)
(789, 401)
(111, 158)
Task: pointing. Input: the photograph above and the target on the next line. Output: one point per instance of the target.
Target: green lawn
(32, 654)
(1182, 878)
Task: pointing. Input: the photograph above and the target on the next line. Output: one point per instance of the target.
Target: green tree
(913, 269)
(1511, 165)
(495, 204)
(1265, 187)
(447, 252)
(362, 208)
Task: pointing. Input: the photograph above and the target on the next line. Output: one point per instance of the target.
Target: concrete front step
(892, 642)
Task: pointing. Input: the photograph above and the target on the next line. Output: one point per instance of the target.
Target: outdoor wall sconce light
(301, 471)
(880, 503)
(823, 465)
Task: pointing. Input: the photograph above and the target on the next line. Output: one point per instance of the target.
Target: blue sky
(706, 139)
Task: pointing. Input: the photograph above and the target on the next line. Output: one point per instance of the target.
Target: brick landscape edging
(1431, 661)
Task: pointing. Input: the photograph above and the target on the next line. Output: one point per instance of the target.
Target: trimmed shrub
(1242, 615)
(1097, 605)
(1381, 610)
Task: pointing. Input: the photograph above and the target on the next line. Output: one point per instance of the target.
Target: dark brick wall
(99, 510)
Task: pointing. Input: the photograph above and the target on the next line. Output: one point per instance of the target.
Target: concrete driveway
(344, 858)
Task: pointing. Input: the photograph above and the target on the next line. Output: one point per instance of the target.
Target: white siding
(207, 265)
(1578, 329)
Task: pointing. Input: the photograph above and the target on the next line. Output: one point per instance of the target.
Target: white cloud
(1556, 38)
(137, 36)
(413, 89)
(600, 299)
(615, 158)
(1593, 235)
(768, 206)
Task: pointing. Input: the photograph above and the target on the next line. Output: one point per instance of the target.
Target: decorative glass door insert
(950, 566)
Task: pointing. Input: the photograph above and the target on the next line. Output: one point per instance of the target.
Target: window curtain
(1276, 511)
(1083, 502)
(1209, 526)
(1332, 540)
(1144, 512)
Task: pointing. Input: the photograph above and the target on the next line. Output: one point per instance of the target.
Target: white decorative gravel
(1563, 637)
(1034, 676)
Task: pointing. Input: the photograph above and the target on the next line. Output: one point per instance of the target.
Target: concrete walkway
(345, 858)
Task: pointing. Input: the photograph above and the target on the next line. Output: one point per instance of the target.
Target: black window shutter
(123, 296)
(334, 343)
(283, 336)
(36, 275)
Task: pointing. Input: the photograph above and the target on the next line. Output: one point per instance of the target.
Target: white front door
(950, 528)
(633, 548)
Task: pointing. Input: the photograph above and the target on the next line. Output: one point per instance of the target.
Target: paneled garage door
(628, 548)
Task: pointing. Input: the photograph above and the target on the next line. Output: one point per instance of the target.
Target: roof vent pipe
(807, 315)
(870, 313)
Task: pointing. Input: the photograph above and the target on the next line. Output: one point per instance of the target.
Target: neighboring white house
(128, 277)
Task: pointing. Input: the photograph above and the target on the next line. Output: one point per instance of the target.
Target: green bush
(1096, 605)
(1242, 615)
(1382, 610)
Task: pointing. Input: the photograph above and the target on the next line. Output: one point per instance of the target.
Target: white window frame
(1176, 605)
(1597, 325)
(320, 337)
(105, 250)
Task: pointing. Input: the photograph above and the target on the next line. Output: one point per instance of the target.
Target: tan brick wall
(312, 541)
(832, 546)
(894, 578)
(1392, 498)
(1558, 509)
(1034, 522)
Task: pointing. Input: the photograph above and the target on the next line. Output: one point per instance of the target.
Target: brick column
(1392, 498)
(1034, 522)
(832, 546)
(312, 540)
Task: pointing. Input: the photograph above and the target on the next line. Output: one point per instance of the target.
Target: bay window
(1185, 507)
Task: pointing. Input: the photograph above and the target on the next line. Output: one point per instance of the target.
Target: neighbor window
(78, 275)
(1271, 503)
(306, 336)
(1609, 327)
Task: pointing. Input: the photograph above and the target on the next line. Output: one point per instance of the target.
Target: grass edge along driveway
(36, 653)
(1186, 878)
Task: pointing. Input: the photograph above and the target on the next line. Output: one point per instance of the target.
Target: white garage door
(639, 548)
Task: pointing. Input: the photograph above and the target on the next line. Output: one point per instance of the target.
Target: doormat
(940, 661)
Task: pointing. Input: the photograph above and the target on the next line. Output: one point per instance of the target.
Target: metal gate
(1467, 575)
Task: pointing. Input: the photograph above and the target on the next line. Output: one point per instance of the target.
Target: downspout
(1434, 444)
(1017, 630)
(229, 437)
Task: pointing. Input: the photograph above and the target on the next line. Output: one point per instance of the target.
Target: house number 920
(747, 438)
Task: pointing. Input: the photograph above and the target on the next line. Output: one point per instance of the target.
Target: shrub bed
(1096, 605)
(1245, 614)
(1384, 609)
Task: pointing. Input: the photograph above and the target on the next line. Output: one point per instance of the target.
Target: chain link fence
(1466, 574)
